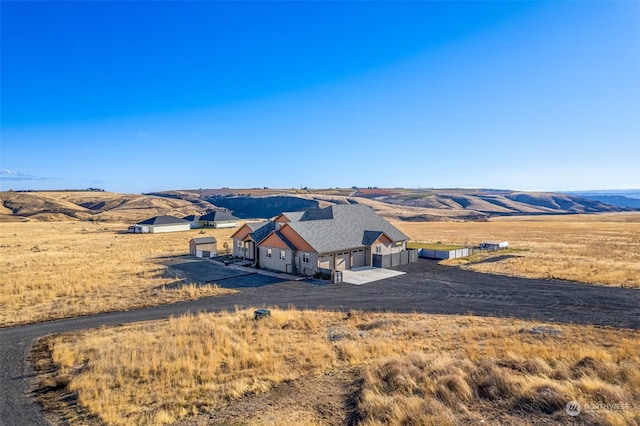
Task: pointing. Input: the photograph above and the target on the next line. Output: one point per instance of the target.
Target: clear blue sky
(144, 96)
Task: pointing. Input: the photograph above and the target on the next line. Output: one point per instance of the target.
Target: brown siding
(384, 239)
(281, 218)
(296, 239)
(242, 232)
(274, 241)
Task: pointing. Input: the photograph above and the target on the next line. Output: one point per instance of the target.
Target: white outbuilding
(159, 224)
(203, 247)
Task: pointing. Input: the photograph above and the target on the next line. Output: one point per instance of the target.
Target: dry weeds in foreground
(415, 369)
(62, 269)
(598, 248)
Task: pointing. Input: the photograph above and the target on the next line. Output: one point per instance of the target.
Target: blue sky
(145, 96)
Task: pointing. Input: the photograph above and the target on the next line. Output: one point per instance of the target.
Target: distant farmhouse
(331, 239)
(213, 220)
(159, 224)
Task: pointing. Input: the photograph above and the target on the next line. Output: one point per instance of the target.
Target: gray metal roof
(162, 220)
(344, 226)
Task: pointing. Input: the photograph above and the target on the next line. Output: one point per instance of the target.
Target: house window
(268, 252)
(305, 257)
(378, 249)
(282, 255)
(239, 243)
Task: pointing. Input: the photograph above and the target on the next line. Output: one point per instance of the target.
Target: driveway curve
(426, 287)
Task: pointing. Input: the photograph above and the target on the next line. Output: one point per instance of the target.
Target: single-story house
(203, 247)
(330, 239)
(215, 219)
(160, 224)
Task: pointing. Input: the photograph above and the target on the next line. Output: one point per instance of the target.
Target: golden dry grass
(598, 249)
(61, 269)
(415, 369)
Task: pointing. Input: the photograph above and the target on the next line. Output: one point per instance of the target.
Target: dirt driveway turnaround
(426, 287)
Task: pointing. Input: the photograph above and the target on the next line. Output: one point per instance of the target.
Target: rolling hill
(92, 205)
(400, 204)
(414, 205)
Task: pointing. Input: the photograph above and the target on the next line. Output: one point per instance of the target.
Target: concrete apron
(367, 274)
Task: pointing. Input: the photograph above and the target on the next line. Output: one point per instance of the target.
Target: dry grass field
(63, 269)
(596, 248)
(68, 268)
(314, 367)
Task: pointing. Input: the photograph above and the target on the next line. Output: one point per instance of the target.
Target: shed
(203, 247)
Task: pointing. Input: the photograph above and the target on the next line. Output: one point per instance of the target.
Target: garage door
(342, 260)
(357, 258)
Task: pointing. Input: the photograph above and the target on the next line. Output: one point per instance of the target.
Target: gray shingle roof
(343, 227)
(162, 220)
(263, 232)
(204, 240)
(217, 216)
(370, 237)
(294, 216)
(254, 226)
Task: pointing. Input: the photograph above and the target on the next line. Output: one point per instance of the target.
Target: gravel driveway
(426, 287)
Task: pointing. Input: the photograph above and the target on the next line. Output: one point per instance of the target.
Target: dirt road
(426, 287)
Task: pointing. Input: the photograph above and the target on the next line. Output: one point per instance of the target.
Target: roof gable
(289, 217)
(277, 240)
(297, 241)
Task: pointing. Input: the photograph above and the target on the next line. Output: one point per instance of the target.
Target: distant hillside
(399, 204)
(415, 205)
(616, 197)
(92, 205)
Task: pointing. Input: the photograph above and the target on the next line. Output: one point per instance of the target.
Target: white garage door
(357, 258)
(342, 260)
